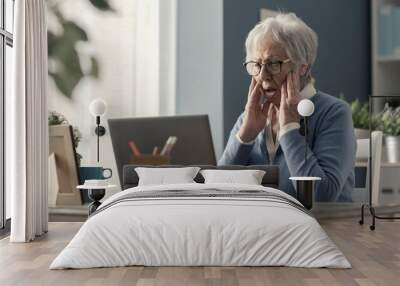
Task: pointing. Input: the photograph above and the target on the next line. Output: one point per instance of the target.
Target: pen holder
(149, 159)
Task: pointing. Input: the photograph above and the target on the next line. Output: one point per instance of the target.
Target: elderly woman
(281, 51)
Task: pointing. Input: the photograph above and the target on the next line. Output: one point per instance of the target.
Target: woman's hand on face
(290, 97)
(256, 113)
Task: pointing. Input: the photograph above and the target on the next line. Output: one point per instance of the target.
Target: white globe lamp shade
(98, 107)
(305, 107)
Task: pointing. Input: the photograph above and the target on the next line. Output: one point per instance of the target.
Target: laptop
(194, 144)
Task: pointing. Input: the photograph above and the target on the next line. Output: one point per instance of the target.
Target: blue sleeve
(333, 154)
(235, 153)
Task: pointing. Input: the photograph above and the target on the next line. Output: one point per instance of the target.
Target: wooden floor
(375, 257)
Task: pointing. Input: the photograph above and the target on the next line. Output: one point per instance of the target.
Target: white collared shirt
(307, 92)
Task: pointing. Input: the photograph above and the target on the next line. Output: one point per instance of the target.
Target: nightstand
(305, 190)
(96, 193)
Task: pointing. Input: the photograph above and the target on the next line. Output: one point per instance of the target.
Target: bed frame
(130, 178)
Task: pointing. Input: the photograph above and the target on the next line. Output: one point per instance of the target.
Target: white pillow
(162, 176)
(248, 177)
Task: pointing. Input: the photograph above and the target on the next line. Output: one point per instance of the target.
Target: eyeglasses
(273, 67)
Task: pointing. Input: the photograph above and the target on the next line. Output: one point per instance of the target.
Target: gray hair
(298, 39)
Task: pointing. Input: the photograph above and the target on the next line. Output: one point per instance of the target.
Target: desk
(387, 184)
(383, 164)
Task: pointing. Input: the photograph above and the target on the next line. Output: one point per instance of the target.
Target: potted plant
(360, 114)
(56, 118)
(388, 120)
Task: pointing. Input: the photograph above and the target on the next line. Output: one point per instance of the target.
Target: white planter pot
(392, 148)
(361, 133)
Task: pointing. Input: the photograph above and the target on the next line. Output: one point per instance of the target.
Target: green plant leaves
(55, 118)
(62, 50)
(101, 5)
(66, 68)
(389, 120)
(94, 72)
(360, 113)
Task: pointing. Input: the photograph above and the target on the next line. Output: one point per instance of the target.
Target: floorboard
(375, 257)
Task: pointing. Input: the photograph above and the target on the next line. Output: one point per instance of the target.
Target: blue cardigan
(331, 151)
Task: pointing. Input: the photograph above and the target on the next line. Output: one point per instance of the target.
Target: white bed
(187, 230)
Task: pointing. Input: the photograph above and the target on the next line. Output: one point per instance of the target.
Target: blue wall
(199, 55)
(343, 62)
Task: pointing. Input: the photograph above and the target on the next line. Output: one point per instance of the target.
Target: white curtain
(27, 123)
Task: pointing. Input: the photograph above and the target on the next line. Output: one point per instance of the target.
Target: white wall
(112, 39)
(199, 63)
(182, 39)
(155, 57)
(136, 48)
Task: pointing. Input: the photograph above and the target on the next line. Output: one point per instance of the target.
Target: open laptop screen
(194, 143)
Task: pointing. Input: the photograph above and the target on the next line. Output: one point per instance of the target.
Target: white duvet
(200, 231)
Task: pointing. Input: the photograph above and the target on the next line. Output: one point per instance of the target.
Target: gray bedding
(205, 193)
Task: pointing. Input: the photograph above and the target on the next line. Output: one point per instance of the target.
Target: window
(6, 44)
